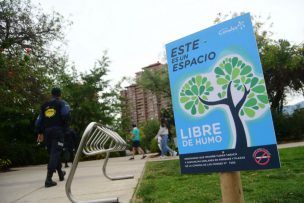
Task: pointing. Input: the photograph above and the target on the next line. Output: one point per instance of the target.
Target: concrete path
(26, 184)
(288, 145)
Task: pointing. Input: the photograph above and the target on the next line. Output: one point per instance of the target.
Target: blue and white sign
(221, 109)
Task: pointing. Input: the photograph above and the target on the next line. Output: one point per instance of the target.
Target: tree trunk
(241, 140)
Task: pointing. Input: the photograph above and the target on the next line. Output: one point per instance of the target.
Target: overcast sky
(135, 31)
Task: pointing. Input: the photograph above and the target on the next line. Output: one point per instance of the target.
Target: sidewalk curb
(138, 183)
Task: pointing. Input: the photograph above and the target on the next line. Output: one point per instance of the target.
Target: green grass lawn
(163, 183)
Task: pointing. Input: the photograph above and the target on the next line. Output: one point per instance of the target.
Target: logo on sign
(239, 26)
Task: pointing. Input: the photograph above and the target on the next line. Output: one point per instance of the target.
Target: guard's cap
(56, 92)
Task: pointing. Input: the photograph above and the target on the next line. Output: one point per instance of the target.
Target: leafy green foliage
(289, 127)
(148, 130)
(23, 152)
(30, 66)
(90, 97)
(154, 146)
(5, 164)
(156, 81)
(121, 123)
(191, 90)
(283, 69)
(233, 69)
(282, 62)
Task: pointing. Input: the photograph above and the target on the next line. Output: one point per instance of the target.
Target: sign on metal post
(221, 109)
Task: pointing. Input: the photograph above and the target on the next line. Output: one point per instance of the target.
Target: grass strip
(162, 182)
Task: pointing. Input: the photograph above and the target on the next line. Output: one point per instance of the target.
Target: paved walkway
(294, 144)
(26, 184)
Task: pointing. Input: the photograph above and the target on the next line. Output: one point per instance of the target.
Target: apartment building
(143, 105)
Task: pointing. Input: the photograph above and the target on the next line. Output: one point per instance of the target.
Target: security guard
(50, 125)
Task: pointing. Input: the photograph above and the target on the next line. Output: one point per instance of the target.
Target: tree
(234, 76)
(28, 66)
(149, 129)
(157, 82)
(29, 59)
(25, 27)
(90, 97)
(29, 62)
(122, 122)
(283, 63)
(283, 66)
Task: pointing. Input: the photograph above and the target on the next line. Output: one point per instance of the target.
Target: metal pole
(104, 170)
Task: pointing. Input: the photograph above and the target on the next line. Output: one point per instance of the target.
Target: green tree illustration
(232, 75)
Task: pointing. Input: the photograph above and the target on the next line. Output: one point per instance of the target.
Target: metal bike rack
(96, 139)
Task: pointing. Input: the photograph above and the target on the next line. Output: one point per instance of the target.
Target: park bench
(96, 139)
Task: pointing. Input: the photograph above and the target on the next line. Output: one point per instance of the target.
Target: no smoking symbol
(261, 156)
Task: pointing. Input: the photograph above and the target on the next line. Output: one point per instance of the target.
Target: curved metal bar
(104, 170)
(96, 139)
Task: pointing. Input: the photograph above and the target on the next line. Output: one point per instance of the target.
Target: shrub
(21, 153)
(289, 127)
(5, 164)
(149, 130)
(296, 124)
(154, 146)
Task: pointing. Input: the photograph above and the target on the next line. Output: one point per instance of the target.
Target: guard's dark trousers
(54, 143)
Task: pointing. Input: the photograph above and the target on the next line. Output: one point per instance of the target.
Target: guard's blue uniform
(51, 121)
